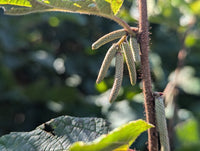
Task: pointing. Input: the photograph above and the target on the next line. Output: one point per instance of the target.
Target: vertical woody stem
(146, 76)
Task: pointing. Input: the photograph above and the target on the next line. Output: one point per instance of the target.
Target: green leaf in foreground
(96, 7)
(25, 3)
(56, 134)
(121, 137)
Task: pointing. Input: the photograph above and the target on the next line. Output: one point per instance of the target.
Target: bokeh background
(47, 69)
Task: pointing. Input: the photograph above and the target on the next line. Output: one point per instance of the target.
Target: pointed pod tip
(97, 81)
(111, 100)
(133, 83)
(93, 47)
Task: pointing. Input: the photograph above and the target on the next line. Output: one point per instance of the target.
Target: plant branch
(149, 103)
(181, 59)
(121, 23)
(171, 91)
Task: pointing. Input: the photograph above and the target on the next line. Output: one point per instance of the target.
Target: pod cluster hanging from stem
(124, 48)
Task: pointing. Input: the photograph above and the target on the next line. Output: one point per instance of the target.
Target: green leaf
(57, 134)
(25, 3)
(189, 147)
(18, 10)
(104, 6)
(118, 139)
(188, 127)
(187, 80)
(95, 7)
(115, 5)
(195, 7)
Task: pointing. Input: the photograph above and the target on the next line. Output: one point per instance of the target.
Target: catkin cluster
(120, 50)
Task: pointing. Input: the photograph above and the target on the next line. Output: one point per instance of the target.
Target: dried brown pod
(119, 67)
(106, 62)
(130, 62)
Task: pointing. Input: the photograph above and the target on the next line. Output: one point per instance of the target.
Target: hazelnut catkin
(106, 62)
(119, 67)
(130, 62)
(108, 38)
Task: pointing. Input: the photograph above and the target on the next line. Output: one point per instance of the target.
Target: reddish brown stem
(146, 76)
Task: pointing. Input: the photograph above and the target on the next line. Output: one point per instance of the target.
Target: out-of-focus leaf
(195, 7)
(189, 147)
(119, 138)
(187, 81)
(156, 63)
(187, 132)
(41, 90)
(95, 7)
(101, 87)
(190, 40)
(56, 134)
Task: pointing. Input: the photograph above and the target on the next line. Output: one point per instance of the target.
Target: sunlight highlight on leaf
(195, 7)
(46, 1)
(24, 3)
(119, 138)
(96, 7)
(75, 4)
(122, 148)
(116, 5)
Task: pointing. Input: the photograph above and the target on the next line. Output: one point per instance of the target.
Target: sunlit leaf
(121, 137)
(95, 7)
(195, 7)
(101, 87)
(25, 3)
(115, 5)
(18, 10)
(190, 40)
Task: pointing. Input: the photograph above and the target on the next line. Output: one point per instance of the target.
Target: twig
(146, 77)
(171, 92)
(122, 23)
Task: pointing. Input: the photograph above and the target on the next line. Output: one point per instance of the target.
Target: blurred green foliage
(48, 69)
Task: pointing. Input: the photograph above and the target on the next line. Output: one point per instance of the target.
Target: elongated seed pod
(130, 62)
(119, 67)
(161, 123)
(136, 50)
(108, 37)
(106, 62)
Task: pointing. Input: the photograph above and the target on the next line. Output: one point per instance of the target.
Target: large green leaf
(57, 134)
(60, 133)
(96, 7)
(188, 127)
(119, 139)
